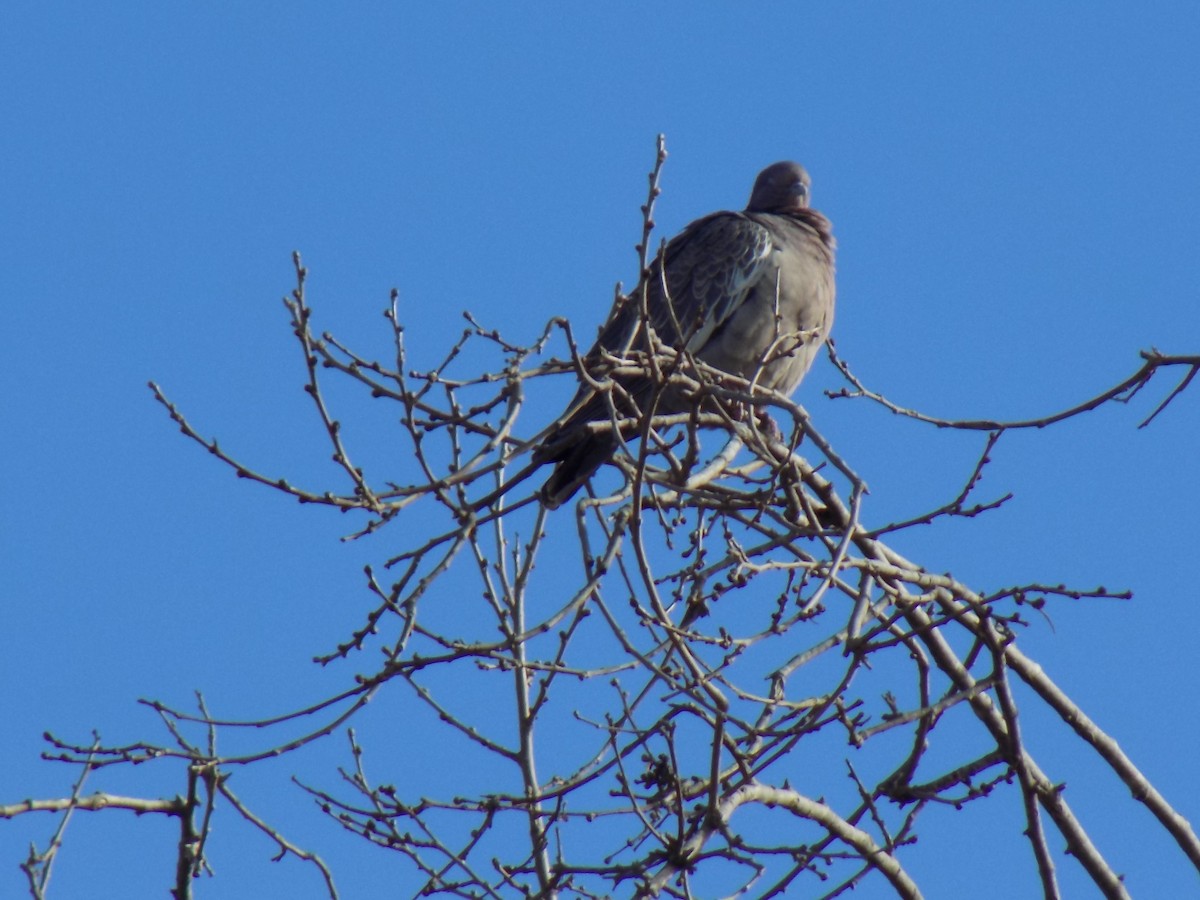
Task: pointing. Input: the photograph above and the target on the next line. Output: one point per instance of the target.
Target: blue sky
(1013, 187)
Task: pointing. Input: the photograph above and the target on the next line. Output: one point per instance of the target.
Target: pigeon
(748, 293)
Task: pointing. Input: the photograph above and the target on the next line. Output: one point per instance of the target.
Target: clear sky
(1014, 187)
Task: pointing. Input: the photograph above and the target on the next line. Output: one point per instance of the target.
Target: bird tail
(485, 502)
(575, 466)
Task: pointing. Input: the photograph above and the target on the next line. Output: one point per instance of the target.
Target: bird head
(779, 187)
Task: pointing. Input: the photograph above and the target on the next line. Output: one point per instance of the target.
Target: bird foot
(767, 425)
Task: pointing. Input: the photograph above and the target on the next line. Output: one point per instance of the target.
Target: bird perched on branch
(749, 293)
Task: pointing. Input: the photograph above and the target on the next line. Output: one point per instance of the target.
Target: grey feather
(749, 293)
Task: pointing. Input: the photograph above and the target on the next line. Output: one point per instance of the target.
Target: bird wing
(711, 267)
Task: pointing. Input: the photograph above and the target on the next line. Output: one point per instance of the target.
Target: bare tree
(675, 667)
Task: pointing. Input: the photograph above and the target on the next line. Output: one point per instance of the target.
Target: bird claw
(767, 425)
